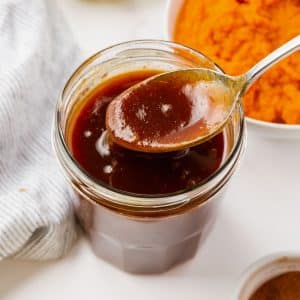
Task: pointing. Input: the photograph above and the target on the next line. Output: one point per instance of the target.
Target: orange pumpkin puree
(238, 33)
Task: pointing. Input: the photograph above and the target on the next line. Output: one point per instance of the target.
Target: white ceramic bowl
(261, 128)
(265, 269)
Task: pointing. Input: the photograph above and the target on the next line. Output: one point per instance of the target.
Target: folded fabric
(37, 55)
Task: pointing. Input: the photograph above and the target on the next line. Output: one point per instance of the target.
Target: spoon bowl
(190, 110)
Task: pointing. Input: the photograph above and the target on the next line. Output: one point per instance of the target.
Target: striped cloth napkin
(37, 54)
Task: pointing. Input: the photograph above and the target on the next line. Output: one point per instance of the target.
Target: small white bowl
(260, 128)
(265, 269)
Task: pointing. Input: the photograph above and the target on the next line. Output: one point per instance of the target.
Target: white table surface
(260, 214)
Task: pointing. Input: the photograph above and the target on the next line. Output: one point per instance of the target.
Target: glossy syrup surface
(170, 112)
(130, 171)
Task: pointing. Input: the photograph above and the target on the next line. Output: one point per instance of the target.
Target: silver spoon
(176, 110)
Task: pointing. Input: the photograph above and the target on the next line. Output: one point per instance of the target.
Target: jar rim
(109, 191)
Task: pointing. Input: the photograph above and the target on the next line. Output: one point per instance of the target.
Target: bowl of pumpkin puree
(238, 33)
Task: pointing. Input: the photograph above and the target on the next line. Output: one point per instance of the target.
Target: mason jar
(143, 233)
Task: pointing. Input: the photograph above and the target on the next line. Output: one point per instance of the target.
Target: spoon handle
(255, 72)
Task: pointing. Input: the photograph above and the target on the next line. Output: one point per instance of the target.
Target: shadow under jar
(142, 232)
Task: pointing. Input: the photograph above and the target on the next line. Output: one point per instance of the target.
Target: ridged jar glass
(142, 233)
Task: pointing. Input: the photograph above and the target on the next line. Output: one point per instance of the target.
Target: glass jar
(142, 233)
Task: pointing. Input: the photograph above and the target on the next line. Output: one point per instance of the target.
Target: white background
(260, 214)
